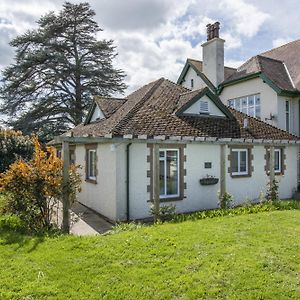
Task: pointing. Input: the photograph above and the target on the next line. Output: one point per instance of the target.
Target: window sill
(93, 181)
(170, 199)
(240, 176)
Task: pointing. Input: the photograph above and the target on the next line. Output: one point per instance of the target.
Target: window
(204, 107)
(192, 83)
(169, 173)
(277, 160)
(249, 105)
(287, 115)
(91, 164)
(239, 162)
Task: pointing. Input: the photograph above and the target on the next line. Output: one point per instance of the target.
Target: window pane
(244, 102)
(257, 112)
(277, 160)
(92, 163)
(172, 173)
(251, 111)
(234, 163)
(243, 161)
(251, 100)
(231, 103)
(237, 104)
(162, 177)
(257, 100)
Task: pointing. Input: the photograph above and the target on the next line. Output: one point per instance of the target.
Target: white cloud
(246, 18)
(281, 41)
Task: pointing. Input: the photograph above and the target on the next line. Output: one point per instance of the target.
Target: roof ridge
(148, 94)
(201, 61)
(284, 45)
(109, 98)
(266, 57)
(262, 122)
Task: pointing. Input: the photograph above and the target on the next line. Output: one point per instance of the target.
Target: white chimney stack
(213, 55)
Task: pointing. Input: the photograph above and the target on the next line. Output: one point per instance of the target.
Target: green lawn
(234, 257)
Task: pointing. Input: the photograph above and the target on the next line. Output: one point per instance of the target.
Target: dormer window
(204, 107)
(249, 105)
(192, 83)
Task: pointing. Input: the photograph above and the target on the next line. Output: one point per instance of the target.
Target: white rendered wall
(268, 96)
(198, 82)
(97, 114)
(101, 196)
(108, 196)
(198, 197)
(294, 114)
(271, 103)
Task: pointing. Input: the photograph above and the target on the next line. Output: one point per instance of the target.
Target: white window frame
(279, 160)
(239, 172)
(165, 150)
(287, 115)
(233, 103)
(89, 176)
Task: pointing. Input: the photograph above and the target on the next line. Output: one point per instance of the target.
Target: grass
(252, 256)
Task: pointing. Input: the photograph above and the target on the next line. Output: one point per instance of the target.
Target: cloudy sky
(154, 37)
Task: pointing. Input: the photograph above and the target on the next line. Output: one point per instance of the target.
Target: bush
(166, 212)
(272, 191)
(12, 223)
(34, 187)
(225, 201)
(13, 146)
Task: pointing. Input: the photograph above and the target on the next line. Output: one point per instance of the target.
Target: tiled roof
(109, 105)
(275, 71)
(150, 111)
(289, 54)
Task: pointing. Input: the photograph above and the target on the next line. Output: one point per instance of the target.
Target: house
(184, 136)
(267, 86)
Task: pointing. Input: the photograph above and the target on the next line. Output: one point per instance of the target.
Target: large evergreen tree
(58, 68)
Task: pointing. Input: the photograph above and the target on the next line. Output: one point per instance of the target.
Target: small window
(192, 83)
(207, 165)
(239, 162)
(277, 160)
(91, 164)
(287, 115)
(204, 107)
(169, 173)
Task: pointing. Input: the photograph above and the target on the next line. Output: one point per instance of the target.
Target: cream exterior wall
(198, 82)
(271, 103)
(101, 196)
(212, 108)
(108, 196)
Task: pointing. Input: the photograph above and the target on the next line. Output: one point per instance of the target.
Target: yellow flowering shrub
(34, 187)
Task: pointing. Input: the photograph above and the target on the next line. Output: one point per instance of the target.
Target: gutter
(127, 182)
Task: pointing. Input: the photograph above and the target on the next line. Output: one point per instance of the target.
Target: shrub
(166, 212)
(272, 191)
(12, 223)
(13, 146)
(225, 201)
(34, 187)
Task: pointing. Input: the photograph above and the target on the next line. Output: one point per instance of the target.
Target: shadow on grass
(20, 240)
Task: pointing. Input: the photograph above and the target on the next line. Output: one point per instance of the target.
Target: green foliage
(166, 212)
(58, 68)
(121, 227)
(225, 201)
(272, 191)
(241, 210)
(243, 257)
(13, 145)
(12, 223)
(32, 189)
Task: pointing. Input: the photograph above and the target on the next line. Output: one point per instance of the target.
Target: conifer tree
(58, 68)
